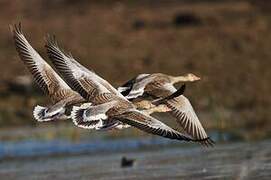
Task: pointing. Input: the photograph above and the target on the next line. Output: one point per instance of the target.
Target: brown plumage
(159, 86)
(60, 94)
(104, 104)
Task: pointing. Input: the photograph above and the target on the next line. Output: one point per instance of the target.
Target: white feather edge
(121, 89)
(36, 111)
(135, 93)
(98, 117)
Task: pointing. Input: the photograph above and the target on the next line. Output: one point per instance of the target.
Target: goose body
(97, 89)
(159, 86)
(57, 56)
(60, 94)
(105, 105)
(147, 83)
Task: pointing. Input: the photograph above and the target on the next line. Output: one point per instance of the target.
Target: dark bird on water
(125, 162)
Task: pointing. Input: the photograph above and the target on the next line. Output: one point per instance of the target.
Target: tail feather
(39, 113)
(79, 119)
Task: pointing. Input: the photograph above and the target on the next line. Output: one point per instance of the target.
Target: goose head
(192, 77)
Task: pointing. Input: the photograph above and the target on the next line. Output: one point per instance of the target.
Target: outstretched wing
(151, 125)
(47, 79)
(80, 79)
(56, 54)
(183, 111)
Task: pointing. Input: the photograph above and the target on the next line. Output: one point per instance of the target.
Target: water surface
(225, 161)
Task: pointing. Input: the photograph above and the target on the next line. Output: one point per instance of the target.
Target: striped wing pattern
(47, 79)
(183, 111)
(187, 118)
(151, 125)
(80, 80)
(90, 85)
(52, 46)
(78, 116)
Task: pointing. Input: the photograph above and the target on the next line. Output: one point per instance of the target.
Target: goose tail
(39, 113)
(80, 119)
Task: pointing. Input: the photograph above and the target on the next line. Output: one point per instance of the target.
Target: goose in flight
(60, 94)
(159, 86)
(55, 53)
(142, 83)
(104, 105)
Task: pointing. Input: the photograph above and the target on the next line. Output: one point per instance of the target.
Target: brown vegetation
(228, 46)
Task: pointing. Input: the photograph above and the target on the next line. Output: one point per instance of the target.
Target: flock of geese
(93, 103)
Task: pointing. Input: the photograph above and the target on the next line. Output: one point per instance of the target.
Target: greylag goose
(104, 105)
(60, 94)
(53, 52)
(159, 86)
(138, 86)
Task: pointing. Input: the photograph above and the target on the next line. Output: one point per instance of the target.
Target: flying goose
(60, 94)
(55, 53)
(103, 104)
(159, 86)
(136, 87)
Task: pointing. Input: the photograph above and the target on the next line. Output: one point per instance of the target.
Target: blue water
(38, 148)
(154, 158)
(29, 148)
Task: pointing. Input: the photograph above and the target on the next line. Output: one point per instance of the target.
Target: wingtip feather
(207, 142)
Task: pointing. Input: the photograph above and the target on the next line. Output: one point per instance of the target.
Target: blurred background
(227, 43)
